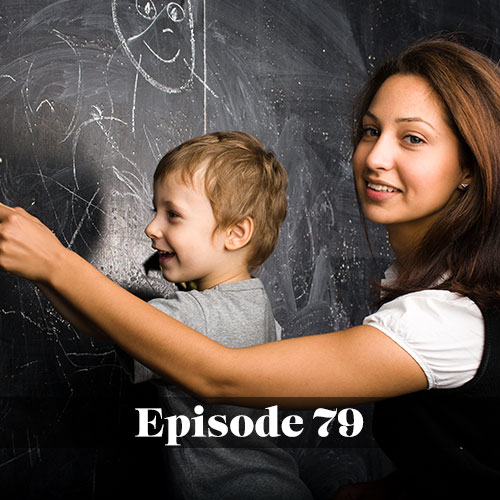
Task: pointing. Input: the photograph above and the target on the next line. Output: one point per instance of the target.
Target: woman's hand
(27, 247)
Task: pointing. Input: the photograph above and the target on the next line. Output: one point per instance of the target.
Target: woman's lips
(380, 192)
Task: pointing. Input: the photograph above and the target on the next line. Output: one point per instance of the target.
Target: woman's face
(406, 165)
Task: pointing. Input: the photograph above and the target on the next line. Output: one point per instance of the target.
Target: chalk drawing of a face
(158, 38)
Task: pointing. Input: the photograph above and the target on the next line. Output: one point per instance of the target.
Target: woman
(426, 165)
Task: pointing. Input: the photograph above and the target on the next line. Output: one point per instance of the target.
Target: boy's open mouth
(164, 256)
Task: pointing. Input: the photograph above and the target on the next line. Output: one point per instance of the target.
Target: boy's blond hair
(242, 179)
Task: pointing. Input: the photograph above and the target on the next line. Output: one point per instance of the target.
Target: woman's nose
(381, 155)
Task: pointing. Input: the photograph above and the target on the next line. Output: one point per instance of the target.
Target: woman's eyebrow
(371, 115)
(402, 120)
(414, 119)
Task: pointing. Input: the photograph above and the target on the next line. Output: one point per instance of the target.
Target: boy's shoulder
(239, 313)
(248, 295)
(236, 314)
(225, 292)
(184, 307)
(239, 286)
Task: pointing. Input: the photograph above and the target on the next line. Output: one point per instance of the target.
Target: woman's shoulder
(440, 304)
(428, 310)
(436, 303)
(442, 330)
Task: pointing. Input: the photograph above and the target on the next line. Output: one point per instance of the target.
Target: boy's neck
(229, 277)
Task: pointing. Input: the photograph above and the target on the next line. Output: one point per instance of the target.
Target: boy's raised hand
(28, 248)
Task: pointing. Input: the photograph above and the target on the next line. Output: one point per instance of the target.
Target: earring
(463, 186)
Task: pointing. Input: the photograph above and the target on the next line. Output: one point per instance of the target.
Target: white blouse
(441, 330)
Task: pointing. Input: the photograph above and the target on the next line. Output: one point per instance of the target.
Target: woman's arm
(357, 363)
(79, 321)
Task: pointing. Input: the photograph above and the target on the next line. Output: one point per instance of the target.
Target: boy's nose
(153, 230)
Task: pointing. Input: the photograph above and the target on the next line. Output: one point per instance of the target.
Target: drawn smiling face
(158, 38)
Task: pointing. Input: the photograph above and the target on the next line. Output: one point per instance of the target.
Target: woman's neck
(405, 236)
(403, 241)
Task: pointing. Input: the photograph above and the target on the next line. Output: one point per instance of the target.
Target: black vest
(446, 442)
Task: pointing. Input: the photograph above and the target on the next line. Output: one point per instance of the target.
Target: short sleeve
(443, 331)
(183, 307)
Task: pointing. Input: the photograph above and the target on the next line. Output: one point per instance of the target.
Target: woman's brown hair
(461, 250)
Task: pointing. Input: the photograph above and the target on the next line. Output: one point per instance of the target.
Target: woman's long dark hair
(463, 244)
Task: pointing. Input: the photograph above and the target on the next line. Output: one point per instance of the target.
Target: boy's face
(183, 232)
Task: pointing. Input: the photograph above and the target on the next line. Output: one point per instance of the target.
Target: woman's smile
(377, 191)
(406, 165)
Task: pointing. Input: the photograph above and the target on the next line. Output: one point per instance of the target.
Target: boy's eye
(172, 214)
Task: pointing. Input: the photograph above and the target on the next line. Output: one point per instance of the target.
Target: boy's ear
(239, 234)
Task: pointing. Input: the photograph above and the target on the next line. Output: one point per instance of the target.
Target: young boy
(219, 202)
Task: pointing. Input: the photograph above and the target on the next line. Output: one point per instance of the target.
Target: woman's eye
(413, 139)
(370, 132)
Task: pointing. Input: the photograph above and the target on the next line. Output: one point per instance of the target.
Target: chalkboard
(92, 94)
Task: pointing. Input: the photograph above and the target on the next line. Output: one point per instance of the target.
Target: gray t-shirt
(235, 314)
